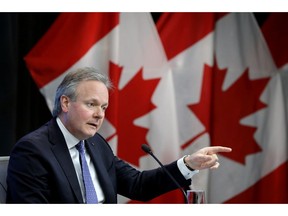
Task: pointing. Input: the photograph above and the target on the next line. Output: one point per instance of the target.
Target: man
(45, 165)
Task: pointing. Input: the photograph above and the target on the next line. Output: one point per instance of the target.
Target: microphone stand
(147, 149)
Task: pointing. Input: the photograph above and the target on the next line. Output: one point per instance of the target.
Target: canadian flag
(225, 76)
(205, 79)
(127, 47)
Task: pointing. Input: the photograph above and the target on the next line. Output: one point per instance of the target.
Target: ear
(64, 100)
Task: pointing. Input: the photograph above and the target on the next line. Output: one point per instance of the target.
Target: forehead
(92, 87)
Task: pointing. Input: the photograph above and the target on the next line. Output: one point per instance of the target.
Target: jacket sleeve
(147, 184)
(26, 176)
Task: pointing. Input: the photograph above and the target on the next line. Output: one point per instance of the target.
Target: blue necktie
(91, 196)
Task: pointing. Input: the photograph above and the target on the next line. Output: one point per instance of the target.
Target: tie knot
(80, 146)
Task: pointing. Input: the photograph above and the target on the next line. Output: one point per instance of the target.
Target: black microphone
(147, 149)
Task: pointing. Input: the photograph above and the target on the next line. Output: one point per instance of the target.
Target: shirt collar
(71, 140)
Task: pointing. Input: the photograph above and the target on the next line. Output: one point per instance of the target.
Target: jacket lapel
(61, 152)
(101, 169)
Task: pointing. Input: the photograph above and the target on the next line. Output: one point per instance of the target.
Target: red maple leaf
(125, 106)
(221, 111)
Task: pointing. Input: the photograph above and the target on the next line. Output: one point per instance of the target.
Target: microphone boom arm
(147, 149)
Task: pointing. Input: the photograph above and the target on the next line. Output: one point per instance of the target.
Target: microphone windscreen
(146, 148)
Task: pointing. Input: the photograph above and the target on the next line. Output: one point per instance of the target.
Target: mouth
(93, 125)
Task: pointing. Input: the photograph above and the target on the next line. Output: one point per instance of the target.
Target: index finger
(216, 149)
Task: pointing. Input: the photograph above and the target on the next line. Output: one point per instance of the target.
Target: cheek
(78, 113)
(84, 113)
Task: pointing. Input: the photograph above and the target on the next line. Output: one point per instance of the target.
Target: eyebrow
(96, 100)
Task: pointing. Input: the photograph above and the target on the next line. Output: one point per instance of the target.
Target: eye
(90, 104)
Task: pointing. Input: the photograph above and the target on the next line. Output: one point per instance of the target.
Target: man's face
(84, 117)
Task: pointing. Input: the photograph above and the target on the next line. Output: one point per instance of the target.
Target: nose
(99, 113)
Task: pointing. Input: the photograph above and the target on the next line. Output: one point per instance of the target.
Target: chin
(91, 134)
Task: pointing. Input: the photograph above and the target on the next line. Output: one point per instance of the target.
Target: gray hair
(70, 82)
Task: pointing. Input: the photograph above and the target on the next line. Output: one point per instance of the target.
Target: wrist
(186, 164)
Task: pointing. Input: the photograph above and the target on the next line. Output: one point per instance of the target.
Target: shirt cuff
(188, 174)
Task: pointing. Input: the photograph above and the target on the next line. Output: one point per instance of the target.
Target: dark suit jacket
(41, 171)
